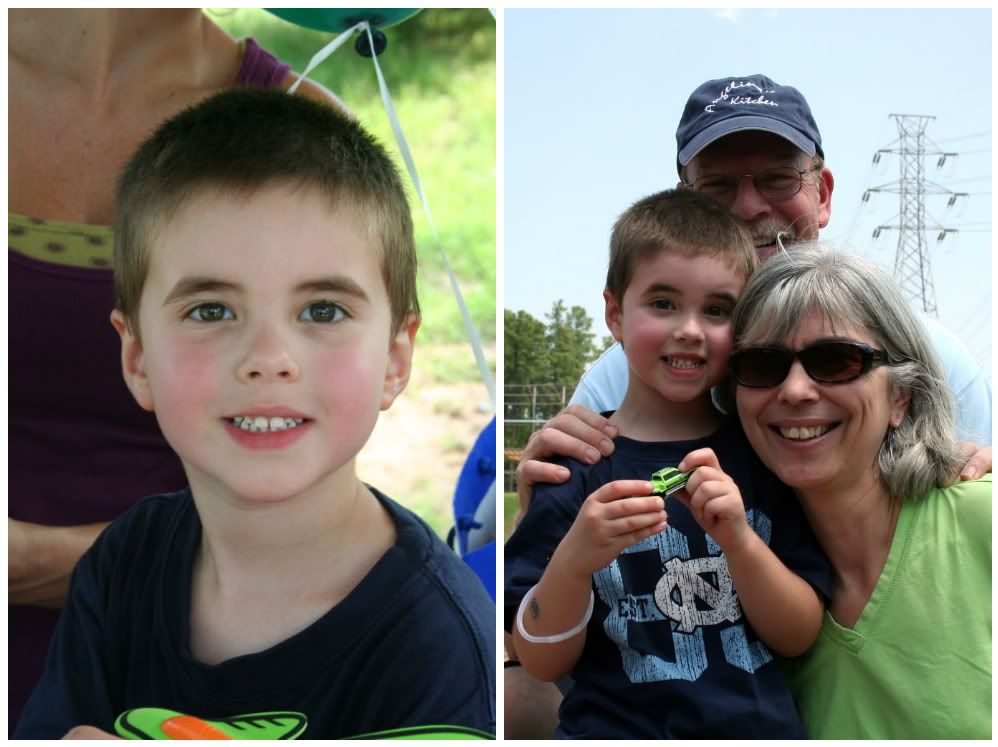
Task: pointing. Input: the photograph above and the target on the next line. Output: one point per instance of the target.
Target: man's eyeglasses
(780, 183)
(825, 362)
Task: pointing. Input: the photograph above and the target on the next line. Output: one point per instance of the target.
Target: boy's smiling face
(266, 345)
(674, 323)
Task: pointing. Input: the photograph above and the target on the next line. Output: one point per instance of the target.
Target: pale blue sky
(592, 100)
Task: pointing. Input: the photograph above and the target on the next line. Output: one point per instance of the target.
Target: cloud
(726, 14)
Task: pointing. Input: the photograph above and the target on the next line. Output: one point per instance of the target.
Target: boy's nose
(689, 329)
(268, 359)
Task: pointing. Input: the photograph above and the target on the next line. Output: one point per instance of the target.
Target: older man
(753, 144)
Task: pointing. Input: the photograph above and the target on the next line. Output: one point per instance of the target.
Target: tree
(570, 342)
(525, 357)
(541, 364)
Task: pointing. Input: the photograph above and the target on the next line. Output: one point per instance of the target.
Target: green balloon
(340, 19)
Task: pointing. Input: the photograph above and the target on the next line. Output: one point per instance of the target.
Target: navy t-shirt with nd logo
(669, 652)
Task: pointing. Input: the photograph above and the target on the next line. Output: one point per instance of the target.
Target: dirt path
(419, 446)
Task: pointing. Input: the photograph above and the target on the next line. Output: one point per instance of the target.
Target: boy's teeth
(802, 434)
(261, 424)
(682, 362)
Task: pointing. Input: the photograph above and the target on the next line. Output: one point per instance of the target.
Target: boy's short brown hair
(248, 138)
(681, 221)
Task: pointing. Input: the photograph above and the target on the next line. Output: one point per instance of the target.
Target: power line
(983, 178)
(966, 137)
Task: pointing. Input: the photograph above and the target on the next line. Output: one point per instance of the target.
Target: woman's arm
(41, 560)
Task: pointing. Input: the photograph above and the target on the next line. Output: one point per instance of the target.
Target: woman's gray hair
(851, 291)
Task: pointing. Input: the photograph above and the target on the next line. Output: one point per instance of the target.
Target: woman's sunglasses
(825, 362)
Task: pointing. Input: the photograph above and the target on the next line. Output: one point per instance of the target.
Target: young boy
(265, 298)
(665, 610)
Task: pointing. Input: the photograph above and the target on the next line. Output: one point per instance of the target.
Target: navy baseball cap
(754, 102)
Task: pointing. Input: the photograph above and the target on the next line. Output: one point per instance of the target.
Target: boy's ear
(399, 360)
(132, 362)
(612, 315)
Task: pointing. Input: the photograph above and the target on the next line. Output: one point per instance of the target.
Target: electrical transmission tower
(911, 263)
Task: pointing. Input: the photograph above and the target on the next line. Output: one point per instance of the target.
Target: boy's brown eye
(322, 312)
(210, 312)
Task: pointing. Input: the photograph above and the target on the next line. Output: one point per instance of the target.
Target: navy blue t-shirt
(669, 653)
(413, 644)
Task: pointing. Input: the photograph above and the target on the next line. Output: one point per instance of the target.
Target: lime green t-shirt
(917, 664)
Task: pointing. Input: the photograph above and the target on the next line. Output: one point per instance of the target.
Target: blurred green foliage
(440, 69)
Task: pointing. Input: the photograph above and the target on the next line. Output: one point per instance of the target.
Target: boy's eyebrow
(661, 288)
(192, 286)
(665, 288)
(725, 296)
(333, 284)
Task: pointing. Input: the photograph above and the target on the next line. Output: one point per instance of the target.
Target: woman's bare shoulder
(317, 92)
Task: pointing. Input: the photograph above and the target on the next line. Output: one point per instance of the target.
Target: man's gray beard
(769, 228)
(774, 232)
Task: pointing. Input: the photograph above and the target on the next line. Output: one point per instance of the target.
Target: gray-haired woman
(843, 398)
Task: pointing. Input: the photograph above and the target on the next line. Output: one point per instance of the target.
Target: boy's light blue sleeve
(970, 385)
(603, 386)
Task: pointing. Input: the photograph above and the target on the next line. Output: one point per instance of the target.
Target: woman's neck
(855, 527)
(108, 51)
(645, 415)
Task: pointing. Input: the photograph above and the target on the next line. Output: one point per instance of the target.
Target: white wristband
(559, 637)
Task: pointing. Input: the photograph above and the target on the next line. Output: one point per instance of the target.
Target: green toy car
(669, 479)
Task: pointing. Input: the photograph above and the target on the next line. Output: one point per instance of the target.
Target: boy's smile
(266, 349)
(268, 427)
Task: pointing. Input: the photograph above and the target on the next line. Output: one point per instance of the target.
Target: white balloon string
(410, 165)
(469, 327)
(327, 50)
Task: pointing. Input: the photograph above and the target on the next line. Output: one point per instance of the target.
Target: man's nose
(749, 204)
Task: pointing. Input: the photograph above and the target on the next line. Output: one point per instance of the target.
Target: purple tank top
(260, 67)
(80, 449)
